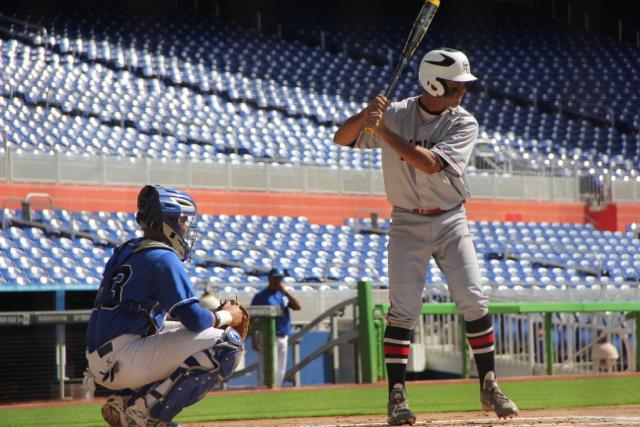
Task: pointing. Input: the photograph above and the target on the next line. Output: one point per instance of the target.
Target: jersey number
(120, 278)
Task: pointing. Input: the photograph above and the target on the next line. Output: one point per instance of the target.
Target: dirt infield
(592, 417)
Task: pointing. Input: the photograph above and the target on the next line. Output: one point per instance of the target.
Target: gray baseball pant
(413, 240)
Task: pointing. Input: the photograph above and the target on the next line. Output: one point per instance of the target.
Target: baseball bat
(417, 33)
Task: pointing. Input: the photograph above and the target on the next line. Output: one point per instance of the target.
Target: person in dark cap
(275, 294)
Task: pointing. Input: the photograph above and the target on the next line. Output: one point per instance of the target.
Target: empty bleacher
(234, 252)
(212, 91)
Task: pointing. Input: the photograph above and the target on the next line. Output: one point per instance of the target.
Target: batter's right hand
(380, 102)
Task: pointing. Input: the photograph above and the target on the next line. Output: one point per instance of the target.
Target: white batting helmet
(443, 64)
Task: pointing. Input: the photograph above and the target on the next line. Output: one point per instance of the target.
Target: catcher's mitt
(243, 326)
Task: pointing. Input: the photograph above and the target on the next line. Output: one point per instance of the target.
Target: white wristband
(223, 317)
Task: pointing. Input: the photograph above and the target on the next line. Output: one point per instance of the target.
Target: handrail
(41, 196)
(611, 331)
(5, 203)
(39, 28)
(610, 111)
(328, 313)
(379, 216)
(488, 159)
(335, 340)
(244, 266)
(61, 230)
(513, 255)
(487, 156)
(530, 307)
(349, 336)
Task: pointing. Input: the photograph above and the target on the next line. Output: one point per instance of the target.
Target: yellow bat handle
(369, 131)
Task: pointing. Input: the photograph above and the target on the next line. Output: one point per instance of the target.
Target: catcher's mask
(443, 64)
(171, 212)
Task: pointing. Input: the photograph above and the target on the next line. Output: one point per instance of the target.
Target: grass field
(289, 403)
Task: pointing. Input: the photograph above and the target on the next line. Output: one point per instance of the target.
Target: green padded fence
(372, 323)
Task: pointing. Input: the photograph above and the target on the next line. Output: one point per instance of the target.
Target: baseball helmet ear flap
(433, 85)
(154, 223)
(149, 215)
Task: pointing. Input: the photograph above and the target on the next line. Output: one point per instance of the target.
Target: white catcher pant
(282, 346)
(141, 361)
(413, 240)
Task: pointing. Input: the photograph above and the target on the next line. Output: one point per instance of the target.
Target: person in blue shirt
(275, 294)
(157, 367)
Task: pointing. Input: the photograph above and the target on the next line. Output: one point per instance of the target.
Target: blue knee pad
(191, 384)
(188, 390)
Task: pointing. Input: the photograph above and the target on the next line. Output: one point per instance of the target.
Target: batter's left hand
(375, 121)
(375, 113)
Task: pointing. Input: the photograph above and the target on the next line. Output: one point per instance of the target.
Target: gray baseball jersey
(416, 238)
(451, 135)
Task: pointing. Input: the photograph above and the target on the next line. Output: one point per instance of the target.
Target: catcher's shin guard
(191, 384)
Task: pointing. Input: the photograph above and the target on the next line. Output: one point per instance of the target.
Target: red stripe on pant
(403, 351)
(487, 339)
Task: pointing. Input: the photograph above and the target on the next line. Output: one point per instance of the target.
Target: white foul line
(551, 422)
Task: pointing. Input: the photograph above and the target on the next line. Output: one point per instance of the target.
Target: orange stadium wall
(319, 208)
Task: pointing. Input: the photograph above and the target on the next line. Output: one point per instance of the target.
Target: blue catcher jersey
(277, 299)
(142, 282)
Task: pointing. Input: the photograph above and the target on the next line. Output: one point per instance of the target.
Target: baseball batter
(157, 368)
(426, 143)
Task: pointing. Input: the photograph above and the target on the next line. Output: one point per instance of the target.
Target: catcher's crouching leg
(189, 383)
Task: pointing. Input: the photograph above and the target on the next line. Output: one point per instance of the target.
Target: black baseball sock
(480, 336)
(396, 354)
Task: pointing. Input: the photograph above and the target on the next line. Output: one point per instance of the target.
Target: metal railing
(531, 337)
(335, 340)
(103, 170)
(510, 252)
(26, 219)
(37, 33)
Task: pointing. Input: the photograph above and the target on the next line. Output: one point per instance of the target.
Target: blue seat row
(510, 254)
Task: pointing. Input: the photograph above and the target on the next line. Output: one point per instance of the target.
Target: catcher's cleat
(492, 399)
(113, 411)
(138, 416)
(398, 412)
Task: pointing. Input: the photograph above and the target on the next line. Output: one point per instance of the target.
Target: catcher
(158, 367)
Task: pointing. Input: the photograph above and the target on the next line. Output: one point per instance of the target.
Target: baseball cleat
(138, 416)
(398, 412)
(492, 399)
(113, 411)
